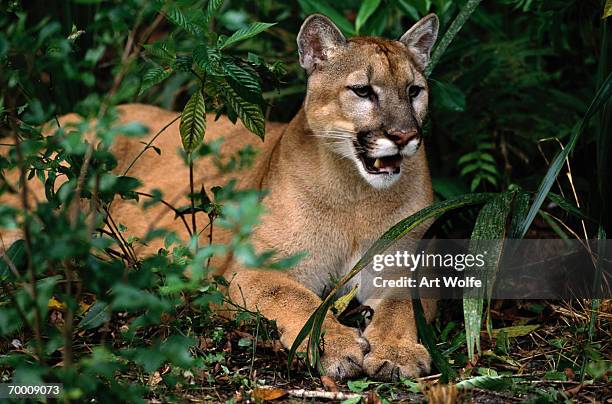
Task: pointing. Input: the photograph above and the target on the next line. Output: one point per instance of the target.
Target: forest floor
(538, 354)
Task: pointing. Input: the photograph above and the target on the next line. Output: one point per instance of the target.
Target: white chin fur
(378, 181)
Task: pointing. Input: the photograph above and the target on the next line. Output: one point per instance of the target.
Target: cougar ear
(421, 38)
(317, 40)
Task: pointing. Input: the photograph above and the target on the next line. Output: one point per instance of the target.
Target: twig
(175, 210)
(192, 198)
(330, 395)
(148, 145)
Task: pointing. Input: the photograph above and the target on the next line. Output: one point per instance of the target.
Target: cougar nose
(402, 137)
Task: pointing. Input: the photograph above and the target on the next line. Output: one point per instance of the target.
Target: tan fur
(318, 202)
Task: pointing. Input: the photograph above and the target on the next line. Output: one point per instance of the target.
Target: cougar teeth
(377, 163)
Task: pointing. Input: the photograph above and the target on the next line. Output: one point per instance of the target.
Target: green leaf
(484, 383)
(358, 386)
(161, 51)
(200, 57)
(567, 206)
(488, 235)
(427, 336)
(97, 315)
(607, 9)
(516, 331)
(320, 6)
(250, 114)
(245, 342)
(211, 9)
(245, 83)
(154, 76)
(368, 7)
(246, 33)
(16, 255)
(603, 95)
(450, 34)
(178, 18)
(193, 122)
(407, 8)
(448, 96)
(520, 209)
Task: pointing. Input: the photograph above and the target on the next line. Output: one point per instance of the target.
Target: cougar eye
(414, 91)
(362, 91)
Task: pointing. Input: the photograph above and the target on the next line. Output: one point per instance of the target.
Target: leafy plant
(75, 273)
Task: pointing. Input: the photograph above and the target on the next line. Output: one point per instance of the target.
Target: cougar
(348, 166)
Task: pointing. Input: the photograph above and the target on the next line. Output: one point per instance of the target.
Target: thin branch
(148, 145)
(175, 210)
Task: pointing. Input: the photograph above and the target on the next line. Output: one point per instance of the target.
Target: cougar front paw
(343, 353)
(388, 362)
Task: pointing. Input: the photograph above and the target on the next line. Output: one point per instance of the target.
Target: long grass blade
(603, 95)
(450, 34)
(427, 337)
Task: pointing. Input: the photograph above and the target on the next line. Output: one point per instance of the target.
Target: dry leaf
(329, 384)
(55, 304)
(574, 390)
(205, 343)
(154, 379)
(373, 398)
(268, 393)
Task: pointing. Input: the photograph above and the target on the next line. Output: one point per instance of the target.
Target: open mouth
(382, 165)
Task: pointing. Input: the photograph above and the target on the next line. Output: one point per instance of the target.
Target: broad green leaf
(603, 95)
(177, 17)
(245, 83)
(154, 76)
(448, 96)
(516, 331)
(321, 6)
(97, 315)
(193, 122)
(519, 211)
(367, 8)
(207, 59)
(160, 50)
(16, 256)
(211, 9)
(250, 114)
(358, 386)
(376, 24)
(200, 56)
(407, 8)
(246, 33)
(488, 234)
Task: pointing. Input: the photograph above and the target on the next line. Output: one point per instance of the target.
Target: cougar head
(367, 96)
